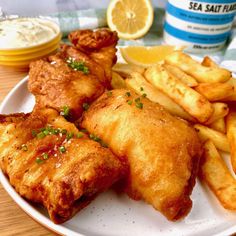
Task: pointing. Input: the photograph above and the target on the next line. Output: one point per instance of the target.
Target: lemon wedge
(147, 56)
(130, 18)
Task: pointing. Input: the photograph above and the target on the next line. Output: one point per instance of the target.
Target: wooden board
(13, 220)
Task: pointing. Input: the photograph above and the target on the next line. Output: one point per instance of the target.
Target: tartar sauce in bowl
(26, 32)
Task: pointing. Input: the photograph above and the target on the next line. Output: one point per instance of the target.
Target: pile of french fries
(199, 93)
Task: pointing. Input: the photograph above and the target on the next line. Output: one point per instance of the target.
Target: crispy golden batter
(99, 45)
(55, 84)
(63, 181)
(163, 151)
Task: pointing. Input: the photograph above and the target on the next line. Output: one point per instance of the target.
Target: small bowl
(22, 56)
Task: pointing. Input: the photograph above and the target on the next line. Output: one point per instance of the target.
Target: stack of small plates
(21, 56)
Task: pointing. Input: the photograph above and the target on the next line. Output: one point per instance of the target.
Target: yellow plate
(22, 62)
(31, 56)
(28, 50)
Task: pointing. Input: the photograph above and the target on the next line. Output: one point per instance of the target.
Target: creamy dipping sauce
(26, 32)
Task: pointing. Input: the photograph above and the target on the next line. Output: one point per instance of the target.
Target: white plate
(117, 215)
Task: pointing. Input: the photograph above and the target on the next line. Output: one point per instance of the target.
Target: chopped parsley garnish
(80, 135)
(65, 111)
(55, 131)
(63, 131)
(85, 106)
(34, 133)
(41, 135)
(128, 94)
(144, 95)
(62, 149)
(39, 160)
(97, 139)
(77, 65)
(94, 138)
(141, 89)
(139, 105)
(69, 135)
(45, 156)
(129, 102)
(49, 130)
(24, 147)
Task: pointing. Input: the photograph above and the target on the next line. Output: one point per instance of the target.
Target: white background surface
(39, 7)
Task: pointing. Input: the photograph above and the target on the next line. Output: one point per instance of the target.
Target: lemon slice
(147, 56)
(130, 18)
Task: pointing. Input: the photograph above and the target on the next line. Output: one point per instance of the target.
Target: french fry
(201, 73)
(137, 81)
(231, 135)
(215, 173)
(219, 125)
(232, 97)
(126, 69)
(220, 110)
(190, 100)
(208, 62)
(181, 75)
(219, 139)
(215, 91)
(117, 81)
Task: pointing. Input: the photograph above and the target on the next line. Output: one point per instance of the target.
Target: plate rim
(20, 201)
(35, 214)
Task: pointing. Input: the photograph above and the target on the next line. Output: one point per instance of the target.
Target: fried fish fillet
(163, 151)
(47, 162)
(60, 80)
(99, 45)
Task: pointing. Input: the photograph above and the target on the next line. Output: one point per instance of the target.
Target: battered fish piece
(56, 85)
(99, 45)
(163, 151)
(48, 161)
(75, 75)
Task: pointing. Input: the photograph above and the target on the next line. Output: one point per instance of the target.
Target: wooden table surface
(13, 220)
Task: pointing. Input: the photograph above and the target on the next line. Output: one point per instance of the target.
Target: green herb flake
(63, 131)
(137, 100)
(24, 147)
(80, 135)
(65, 111)
(55, 131)
(77, 65)
(34, 133)
(46, 132)
(39, 160)
(94, 138)
(85, 106)
(128, 94)
(45, 156)
(141, 89)
(62, 149)
(129, 102)
(144, 95)
(69, 135)
(40, 135)
(139, 105)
